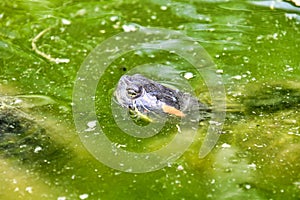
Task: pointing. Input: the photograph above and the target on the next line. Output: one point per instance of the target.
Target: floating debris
(44, 55)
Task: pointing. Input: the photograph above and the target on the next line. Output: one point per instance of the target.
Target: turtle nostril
(131, 107)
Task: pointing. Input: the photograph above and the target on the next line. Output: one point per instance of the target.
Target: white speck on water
(129, 170)
(17, 101)
(180, 168)
(260, 37)
(91, 126)
(259, 145)
(288, 68)
(81, 12)
(188, 75)
(252, 166)
(214, 123)
(225, 145)
(117, 173)
(73, 177)
(237, 77)
(116, 25)
(247, 186)
(65, 21)
(97, 9)
(37, 149)
(153, 17)
(163, 7)
(121, 145)
(297, 183)
(129, 28)
(28, 189)
(114, 18)
(62, 60)
(83, 196)
(219, 71)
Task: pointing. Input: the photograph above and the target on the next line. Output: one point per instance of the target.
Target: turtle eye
(134, 92)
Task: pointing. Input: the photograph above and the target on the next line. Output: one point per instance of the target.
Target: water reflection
(254, 44)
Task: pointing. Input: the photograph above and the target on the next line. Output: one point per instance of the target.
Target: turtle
(143, 97)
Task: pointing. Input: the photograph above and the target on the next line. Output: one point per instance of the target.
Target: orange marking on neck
(173, 111)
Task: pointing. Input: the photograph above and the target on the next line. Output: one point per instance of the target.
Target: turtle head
(128, 89)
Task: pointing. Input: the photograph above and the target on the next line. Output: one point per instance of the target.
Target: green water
(254, 43)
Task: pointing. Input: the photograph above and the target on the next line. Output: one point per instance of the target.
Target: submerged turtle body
(20, 135)
(142, 95)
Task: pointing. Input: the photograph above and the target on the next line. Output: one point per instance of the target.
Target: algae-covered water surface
(47, 45)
